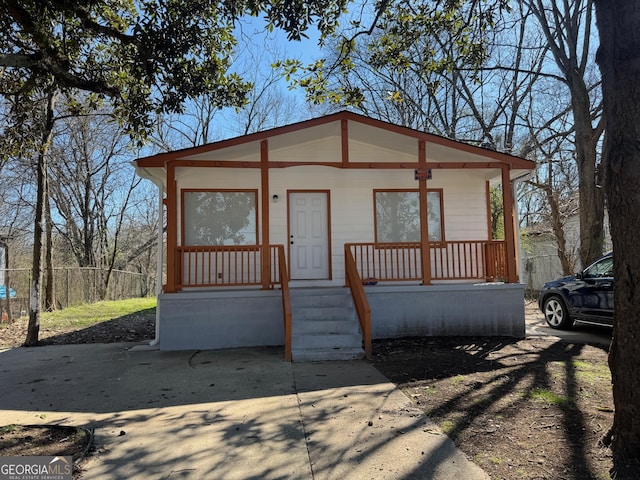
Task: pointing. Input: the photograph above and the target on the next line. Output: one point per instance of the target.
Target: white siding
(323, 150)
(351, 198)
(362, 152)
(465, 204)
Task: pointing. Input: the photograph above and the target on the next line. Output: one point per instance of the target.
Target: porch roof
(341, 130)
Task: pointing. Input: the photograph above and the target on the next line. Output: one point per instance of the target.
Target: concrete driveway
(227, 414)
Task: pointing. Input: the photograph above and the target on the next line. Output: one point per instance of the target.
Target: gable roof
(332, 125)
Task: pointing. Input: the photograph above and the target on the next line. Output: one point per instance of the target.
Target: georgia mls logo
(36, 468)
(60, 466)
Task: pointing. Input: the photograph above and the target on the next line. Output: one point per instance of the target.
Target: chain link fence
(538, 270)
(76, 286)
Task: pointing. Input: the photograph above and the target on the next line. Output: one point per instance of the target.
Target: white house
(265, 231)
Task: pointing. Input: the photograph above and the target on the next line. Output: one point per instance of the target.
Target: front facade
(299, 210)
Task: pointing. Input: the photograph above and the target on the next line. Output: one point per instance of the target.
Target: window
(219, 217)
(603, 268)
(398, 215)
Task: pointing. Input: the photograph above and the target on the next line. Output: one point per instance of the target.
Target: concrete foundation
(442, 310)
(220, 319)
(207, 320)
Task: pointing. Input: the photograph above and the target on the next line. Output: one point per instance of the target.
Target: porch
(222, 299)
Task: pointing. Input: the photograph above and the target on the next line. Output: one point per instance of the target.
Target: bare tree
(567, 30)
(268, 103)
(91, 190)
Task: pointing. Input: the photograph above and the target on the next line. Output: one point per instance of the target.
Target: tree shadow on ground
(496, 378)
(135, 327)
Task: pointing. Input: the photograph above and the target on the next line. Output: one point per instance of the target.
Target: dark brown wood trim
(305, 164)
(153, 162)
(264, 180)
(424, 218)
(344, 137)
(509, 230)
(217, 164)
(172, 228)
(489, 222)
(160, 159)
(348, 164)
(244, 139)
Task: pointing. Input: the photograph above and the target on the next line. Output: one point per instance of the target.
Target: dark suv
(585, 297)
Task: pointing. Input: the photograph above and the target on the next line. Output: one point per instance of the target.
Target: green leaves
(422, 37)
(145, 56)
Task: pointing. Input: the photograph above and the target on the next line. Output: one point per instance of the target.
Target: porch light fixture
(275, 198)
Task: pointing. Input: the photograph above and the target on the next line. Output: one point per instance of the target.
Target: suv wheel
(556, 313)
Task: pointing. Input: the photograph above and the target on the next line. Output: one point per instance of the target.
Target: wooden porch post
(265, 197)
(489, 218)
(509, 230)
(425, 260)
(344, 141)
(172, 227)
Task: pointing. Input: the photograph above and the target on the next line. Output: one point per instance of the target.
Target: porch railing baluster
(452, 260)
(240, 265)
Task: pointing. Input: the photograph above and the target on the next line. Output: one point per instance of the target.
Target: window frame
(440, 191)
(218, 190)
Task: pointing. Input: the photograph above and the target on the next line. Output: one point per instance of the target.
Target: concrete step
(319, 313)
(324, 354)
(327, 340)
(325, 325)
(322, 326)
(306, 299)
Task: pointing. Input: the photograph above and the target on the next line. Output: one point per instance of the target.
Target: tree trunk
(33, 330)
(557, 226)
(7, 282)
(591, 194)
(48, 248)
(619, 61)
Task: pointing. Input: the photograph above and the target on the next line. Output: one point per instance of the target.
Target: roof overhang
(285, 144)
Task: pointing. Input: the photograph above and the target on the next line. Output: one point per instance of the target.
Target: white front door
(309, 235)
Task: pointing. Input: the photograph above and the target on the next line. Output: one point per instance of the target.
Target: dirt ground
(529, 409)
(51, 440)
(131, 328)
(535, 408)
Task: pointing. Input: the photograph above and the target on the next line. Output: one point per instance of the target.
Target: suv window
(603, 268)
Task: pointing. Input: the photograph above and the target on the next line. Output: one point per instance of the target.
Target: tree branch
(16, 60)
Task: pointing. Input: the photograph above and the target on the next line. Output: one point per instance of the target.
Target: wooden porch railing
(286, 300)
(224, 266)
(241, 265)
(386, 261)
(457, 260)
(210, 266)
(495, 255)
(360, 301)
